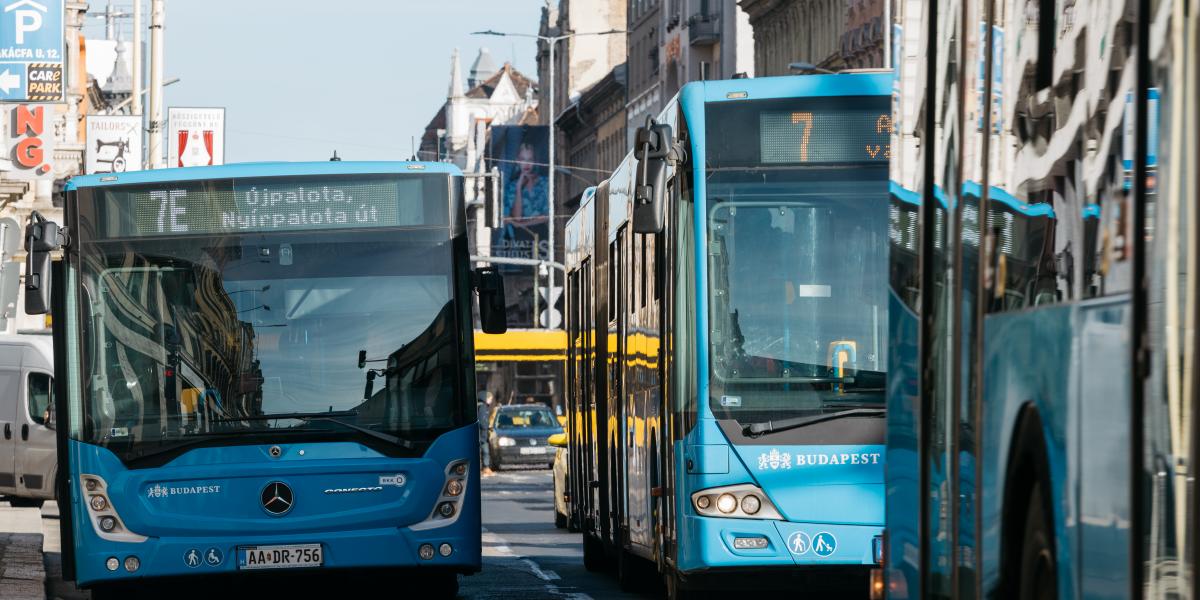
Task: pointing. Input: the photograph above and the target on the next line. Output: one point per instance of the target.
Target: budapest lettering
(162, 491)
(776, 460)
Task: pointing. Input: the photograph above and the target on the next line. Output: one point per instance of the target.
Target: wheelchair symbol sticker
(213, 557)
(824, 544)
(799, 542)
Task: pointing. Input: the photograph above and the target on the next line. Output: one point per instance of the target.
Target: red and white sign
(195, 137)
(30, 142)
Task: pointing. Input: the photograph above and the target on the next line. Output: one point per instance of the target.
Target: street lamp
(807, 67)
(552, 41)
(123, 103)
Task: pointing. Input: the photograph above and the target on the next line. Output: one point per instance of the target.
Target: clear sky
(302, 78)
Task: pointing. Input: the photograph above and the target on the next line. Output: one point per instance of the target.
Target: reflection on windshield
(206, 336)
(525, 418)
(798, 297)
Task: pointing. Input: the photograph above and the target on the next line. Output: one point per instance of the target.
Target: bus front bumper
(775, 553)
(356, 549)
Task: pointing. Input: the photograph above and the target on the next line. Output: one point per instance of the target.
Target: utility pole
(110, 21)
(157, 17)
(137, 72)
(550, 208)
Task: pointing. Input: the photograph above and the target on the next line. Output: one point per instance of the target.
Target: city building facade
(592, 130)
(828, 34)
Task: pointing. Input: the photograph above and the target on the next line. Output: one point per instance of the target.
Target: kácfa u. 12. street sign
(31, 50)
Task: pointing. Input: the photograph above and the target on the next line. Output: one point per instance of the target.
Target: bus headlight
(507, 441)
(726, 503)
(751, 504)
(446, 509)
(103, 514)
(745, 501)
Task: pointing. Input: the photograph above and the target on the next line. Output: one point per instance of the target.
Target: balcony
(704, 29)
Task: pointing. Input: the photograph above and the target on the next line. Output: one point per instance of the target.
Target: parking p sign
(31, 50)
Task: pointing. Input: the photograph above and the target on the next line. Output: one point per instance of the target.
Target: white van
(27, 441)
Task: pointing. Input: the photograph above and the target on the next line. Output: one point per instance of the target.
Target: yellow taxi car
(562, 498)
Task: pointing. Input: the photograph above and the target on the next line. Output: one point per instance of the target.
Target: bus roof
(796, 86)
(261, 169)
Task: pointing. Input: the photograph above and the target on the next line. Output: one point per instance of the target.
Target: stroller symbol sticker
(824, 544)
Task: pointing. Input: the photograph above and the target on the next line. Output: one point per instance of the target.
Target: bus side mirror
(489, 283)
(652, 147)
(41, 238)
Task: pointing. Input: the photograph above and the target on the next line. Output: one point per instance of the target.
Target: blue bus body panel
(210, 498)
(812, 500)
(1048, 359)
(262, 169)
(903, 458)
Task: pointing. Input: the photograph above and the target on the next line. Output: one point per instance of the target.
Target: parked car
(28, 451)
(519, 435)
(562, 507)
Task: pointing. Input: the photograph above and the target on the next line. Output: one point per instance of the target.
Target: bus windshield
(798, 293)
(240, 336)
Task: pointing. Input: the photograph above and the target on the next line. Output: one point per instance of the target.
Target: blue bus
(726, 337)
(265, 367)
(1042, 411)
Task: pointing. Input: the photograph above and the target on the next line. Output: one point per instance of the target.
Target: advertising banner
(31, 50)
(521, 153)
(114, 144)
(30, 142)
(195, 137)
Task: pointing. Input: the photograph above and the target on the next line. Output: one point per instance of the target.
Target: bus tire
(627, 571)
(441, 585)
(113, 592)
(674, 589)
(593, 554)
(1038, 575)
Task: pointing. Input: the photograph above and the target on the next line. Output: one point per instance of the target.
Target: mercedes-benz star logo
(277, 498)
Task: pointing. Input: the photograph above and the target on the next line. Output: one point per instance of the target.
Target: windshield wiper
(188, 440)
(328, 417)
(757, 429)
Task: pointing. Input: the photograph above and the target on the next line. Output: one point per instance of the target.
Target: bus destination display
(263, 205)
(828, 136)
(800, 132)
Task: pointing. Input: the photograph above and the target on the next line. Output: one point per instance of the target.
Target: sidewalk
(22, 573)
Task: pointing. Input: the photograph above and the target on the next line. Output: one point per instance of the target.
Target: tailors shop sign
(30, 142)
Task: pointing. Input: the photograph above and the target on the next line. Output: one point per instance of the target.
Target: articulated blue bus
(264, 367)
(1042, 412)
(727, 333)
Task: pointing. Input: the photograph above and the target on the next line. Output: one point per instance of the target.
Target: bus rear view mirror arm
(41, 238)
(489, 283)
(654, 149)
